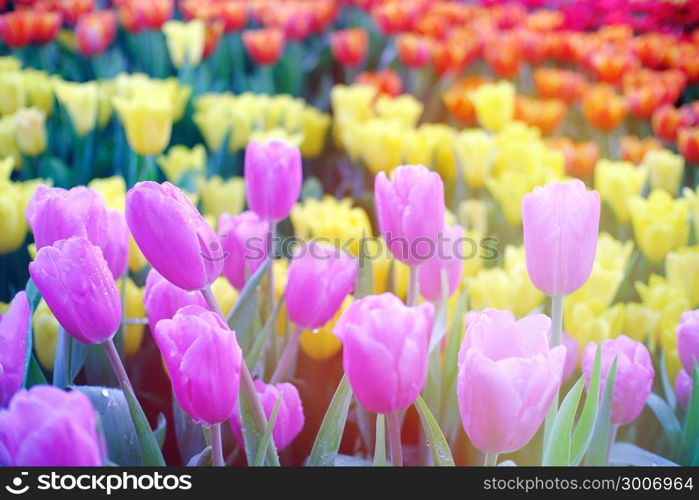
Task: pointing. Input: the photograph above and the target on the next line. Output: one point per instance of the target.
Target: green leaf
(34, 376)
(189, 436)
(689, 450)
(242, 317)
(253, 356)
(582, 436)
(365, 276)
(441, 453)
(267, 436)
(201, 459)
(666, 418)
(312, 188)
(252, 436)
(598, 450)
(449, 414)
(380, 446)
(329, 435)
(78, 354)
(557, 451)
(625, 454)
(150, 451)
(31, 367)
(160, 430)
(118, 428)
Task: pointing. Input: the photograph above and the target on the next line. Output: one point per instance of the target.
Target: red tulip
(95, 32)
(349, 46)
(264, 46)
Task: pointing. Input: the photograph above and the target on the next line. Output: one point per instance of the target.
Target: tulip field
(349, 233)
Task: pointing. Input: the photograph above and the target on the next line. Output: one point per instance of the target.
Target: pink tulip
(508, 379)
(572, 353)
(290, 418)
(385, 350)
(245, 240)
(634, 375)
(78, 287)
(561, 222)
(273, 177)
(318, 280)
(173, 235)
(204, 360)
(449, 258)
(13, 341)
(688, 340)
(683, 388)
(57, 214)
(47, 427)
(410, 208)
(162, 299)
(116, 249)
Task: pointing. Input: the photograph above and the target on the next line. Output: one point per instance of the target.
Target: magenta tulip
(410, 208)
(449, 259)
(162, 299)
(688, 340)
(204, 360)
(290, 418)
(78, 287)
(13, 341)
(634, 375)
(561, 222)
(318, 280)
(273, 176)
(384, 352)
(47, 427)
(116, 249)
(245, 240)
(173, 235)
(508, 379)
(57, 214)
(683, 388)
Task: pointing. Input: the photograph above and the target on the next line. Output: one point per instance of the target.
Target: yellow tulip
(225, 294)
(106, 90)
(113, 189)
(219, 196)
(136, 259)
(350, 104)
(640, 321)
(667, 300)
(590, 321)
(45, 326)
(314, 126)
(6, 167)
(473, 215)
(494, 104)
(440, 140)
(181, 159)
(147, 120)
(405, 109)
(380, 144)
(336, 221)
(617, 182)
(214, 127)
(665, 168)
(9, 64)
(320, 343)
(279, 134)
(30, 131)
(133, 308)
(659, 224)
(508, 190)
(692, 198)
(8, 144)
(12, 92)
(39, 90)
(388, 274)
(185, 42)
(682, 271)
(276, 111)
(13, 225)
(80, 101)
(476, 152)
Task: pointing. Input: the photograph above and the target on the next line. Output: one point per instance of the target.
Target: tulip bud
(318, 280)
(173, 235)
(81, 101)
(688, 339)
(410, 208)
(508, 378)
(665, 169)
(30, 131)
(14, 326)
(47, 427)
(561, 222)
(290, 418)
(634, 375)
(448, 259)
(378, 332)
(147, 119)
(76, 283)
(244, 239)
(203, 360)
(683, 388)
(57, 214)
(494, 104)
(185, 42)
(162, 299)
(273, 177)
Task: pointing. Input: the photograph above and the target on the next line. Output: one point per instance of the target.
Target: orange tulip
(212, 35)
(349, 46)
(634, 149)
(652, 48)
(644, 100)
(603, 108)
(503, 53)
(95, 31)
(457, 101)
(264, 46)
(137, 15)
(17, 28)
(609, 65)
(667, 120)
(395, 16)
(553, 83)
(580, 157)
(545, 114)
(385, 82)
(413, 50)
(688, 144)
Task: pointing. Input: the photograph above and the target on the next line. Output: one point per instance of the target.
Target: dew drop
(105, 393)
(315, 331)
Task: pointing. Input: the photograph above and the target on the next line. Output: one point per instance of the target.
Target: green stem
(270, 273)
(491, 460)
(289, 353)
(393, 421)
(61, 363)
(118, 366)
(216, 446)
(380, 445)
(413, 286)
(556, 320)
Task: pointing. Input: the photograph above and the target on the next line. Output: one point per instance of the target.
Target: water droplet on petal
(105, 393)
